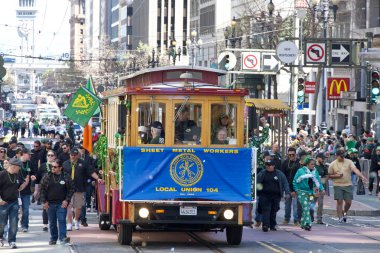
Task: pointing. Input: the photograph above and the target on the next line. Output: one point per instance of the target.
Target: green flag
(90, 87)
(82, 106)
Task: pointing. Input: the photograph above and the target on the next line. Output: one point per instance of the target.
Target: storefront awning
(267, 104)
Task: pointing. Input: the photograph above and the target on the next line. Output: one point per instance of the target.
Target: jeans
(57, 213)
(291, 203)
(372, 177)
(9, 212)
(25, 199)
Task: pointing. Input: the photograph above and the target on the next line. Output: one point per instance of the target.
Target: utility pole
(369, 36)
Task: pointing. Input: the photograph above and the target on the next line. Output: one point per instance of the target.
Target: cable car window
(188, 123)
(151, 123)
(223, 124)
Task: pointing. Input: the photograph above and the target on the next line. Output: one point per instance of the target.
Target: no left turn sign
(251, 61)
(315, 53)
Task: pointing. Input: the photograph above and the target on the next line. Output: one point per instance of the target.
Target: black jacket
(290, 169)
(284, 185)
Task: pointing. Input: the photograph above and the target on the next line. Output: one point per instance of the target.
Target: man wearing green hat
(340, 172)
(374, 171)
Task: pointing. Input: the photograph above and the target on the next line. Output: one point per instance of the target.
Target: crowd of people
(302, 177)
(57, 173)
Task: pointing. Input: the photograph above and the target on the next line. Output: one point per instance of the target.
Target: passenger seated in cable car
(186, 130)
(157, 131)
(221, 136)
(142, 135)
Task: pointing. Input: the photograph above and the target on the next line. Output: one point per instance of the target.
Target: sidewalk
(362, 205)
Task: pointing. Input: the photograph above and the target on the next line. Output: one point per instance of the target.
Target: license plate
(188, 210)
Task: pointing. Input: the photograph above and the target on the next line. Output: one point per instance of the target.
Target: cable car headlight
(144, 212)
(228, 214)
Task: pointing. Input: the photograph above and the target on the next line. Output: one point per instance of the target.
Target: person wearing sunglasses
(42, 171)
(289, 167)
(65, 154)
(57, 189)
(3, 156)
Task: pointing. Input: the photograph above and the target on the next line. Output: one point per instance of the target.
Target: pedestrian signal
(301, 92)
(375, 86)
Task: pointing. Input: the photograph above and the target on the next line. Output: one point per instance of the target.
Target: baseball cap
(269, 162)
(15, 161)
(340, 152)
(44, 141)
(157, 125)
(321, 155)
(12, 141)
(302, 153)
(74, 151)
(370, 139)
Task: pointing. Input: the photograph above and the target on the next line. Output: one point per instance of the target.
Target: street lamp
(153, 62)
(173, 52)
(231, 35)
(193, 44)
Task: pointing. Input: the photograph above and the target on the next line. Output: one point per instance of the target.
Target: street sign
(340, 53)
(287, 51)
(270, 63)
(315, 53)
(336, 85)
(349, 95)
(310, 87)
(251, 61)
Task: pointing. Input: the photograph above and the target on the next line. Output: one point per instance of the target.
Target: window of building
(129, 30)
(207, 20)
(223, 124)
(151, 123)
(114, 3)
(129, 11)
(188, 123)
(115, 16)
(123, 13)
(114, 32)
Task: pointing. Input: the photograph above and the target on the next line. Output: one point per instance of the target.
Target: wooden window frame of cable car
(206, 101)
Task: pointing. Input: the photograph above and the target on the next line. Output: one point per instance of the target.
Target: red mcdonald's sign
(335, 85)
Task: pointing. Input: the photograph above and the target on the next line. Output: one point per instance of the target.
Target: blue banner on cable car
(218, 174)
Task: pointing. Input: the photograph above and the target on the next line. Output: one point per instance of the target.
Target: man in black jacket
(10, 185)
(57, 189)
(79, 171)
(289, 167)
(273, 184)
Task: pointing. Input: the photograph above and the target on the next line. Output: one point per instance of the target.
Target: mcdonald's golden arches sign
(335, 85)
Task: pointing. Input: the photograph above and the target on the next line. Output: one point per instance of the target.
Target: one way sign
(270, 63)
(340, 53)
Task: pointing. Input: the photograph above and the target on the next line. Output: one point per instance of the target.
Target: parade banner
(82, 106)
(213, 174)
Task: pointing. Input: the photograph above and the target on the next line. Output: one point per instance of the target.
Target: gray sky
(52, 28)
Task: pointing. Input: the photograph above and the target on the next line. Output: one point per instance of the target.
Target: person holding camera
(340, 172)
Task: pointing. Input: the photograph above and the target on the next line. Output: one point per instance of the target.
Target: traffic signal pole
(369, 36)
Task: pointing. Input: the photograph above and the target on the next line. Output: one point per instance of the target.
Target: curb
(354, 212)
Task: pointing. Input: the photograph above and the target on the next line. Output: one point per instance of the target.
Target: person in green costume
(307, 183)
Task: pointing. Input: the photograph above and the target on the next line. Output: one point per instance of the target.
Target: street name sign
(251, 61)
(340, 53)
(315, 53)
(349, 95)
(287, 51)
(270, 63)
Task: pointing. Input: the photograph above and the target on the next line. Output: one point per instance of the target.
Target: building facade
(77, 29)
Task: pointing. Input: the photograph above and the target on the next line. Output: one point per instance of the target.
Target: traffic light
(3, 71)
(227, 62)
(375, 86)
(301, 92)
